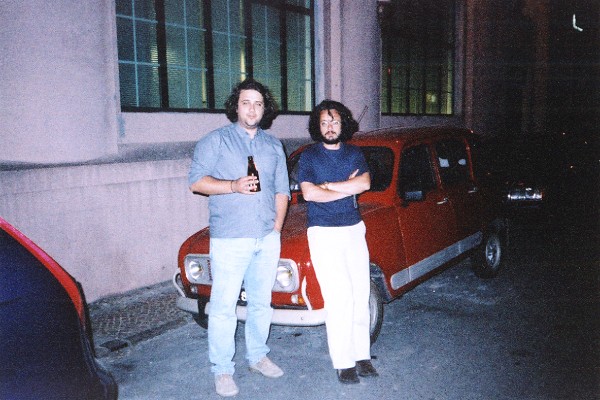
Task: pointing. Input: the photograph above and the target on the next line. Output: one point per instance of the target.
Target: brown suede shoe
(366, 369)
(347, 375)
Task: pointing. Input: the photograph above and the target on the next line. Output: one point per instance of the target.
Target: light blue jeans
(233, 261)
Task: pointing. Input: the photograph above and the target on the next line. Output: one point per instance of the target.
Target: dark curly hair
(349, 124)
(250, 84)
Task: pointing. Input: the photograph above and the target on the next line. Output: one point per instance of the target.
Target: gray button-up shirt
(223, 154)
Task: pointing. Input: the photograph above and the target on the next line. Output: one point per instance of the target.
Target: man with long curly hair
(245, 227)
(331, 174)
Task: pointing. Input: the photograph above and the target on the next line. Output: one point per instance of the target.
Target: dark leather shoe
(366, 369)
(347, 375)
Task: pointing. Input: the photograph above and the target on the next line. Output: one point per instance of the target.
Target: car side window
(381, 166)
(416, 173)
(452, 161)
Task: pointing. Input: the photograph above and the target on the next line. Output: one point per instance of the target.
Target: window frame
(417, 39)
(284, 8)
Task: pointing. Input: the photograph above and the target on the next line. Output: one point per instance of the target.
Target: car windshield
(379, 159)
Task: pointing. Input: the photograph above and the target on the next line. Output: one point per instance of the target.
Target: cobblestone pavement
(123, 320)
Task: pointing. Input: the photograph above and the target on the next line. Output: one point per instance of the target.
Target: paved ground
(530, 334)
(126, 319)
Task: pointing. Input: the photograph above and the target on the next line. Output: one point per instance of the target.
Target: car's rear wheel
(376, 311)
(489, 256)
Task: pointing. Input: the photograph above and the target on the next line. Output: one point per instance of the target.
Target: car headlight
(287, 277)
(197, 269)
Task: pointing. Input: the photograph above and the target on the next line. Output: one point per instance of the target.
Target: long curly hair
(349, 124)
(270, 111)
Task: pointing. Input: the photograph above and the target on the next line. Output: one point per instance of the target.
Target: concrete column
(361, 61)
(58, 92)
(349, 39)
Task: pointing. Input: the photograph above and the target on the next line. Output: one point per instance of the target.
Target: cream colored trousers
(340, 258)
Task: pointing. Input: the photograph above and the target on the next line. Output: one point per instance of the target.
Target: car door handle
(443, 201)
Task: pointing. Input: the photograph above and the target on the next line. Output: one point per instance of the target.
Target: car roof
(400, 135)
(409, 134)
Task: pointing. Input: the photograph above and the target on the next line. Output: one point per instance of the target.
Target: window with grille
(188, 54)
(418, 57)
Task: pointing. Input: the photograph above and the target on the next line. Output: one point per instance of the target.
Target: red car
(46, 344)
(425, 209)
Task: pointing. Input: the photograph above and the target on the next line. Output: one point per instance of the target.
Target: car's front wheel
(489, 256)
(376, 311)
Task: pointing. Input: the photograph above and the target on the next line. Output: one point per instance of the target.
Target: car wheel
(201, 318)
(489, 256)
(376, 311)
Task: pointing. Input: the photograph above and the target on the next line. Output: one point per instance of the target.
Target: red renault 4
(425, 209)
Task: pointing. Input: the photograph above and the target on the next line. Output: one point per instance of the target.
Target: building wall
(168, 127)
(105, 192)
(67, 179)
(114, 227)
(506, 74)
(59, 94)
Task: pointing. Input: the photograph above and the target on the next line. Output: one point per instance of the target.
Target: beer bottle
(252, 171)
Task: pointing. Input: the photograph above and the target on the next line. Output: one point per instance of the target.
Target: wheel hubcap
(493, 252)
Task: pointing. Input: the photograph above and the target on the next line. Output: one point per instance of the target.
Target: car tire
(376, 311)
(489, 256)
(201, 318)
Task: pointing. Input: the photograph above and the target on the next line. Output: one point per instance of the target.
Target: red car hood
(293, 235)
(295, 222)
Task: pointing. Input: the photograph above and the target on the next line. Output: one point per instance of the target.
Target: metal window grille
(418, 57)
(187, 54)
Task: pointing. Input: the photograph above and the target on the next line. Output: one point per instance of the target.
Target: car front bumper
(281, 316)
(287, 317)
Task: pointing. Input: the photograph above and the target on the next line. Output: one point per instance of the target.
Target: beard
(331, 141)
(334, 140)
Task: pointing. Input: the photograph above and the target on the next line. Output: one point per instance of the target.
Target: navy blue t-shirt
(317, 165)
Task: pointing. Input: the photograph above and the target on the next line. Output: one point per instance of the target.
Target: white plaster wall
(58, 97)
(163, 127)
(114, 227)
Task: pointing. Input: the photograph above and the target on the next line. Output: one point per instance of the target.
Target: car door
(454, 168)
(425, 215)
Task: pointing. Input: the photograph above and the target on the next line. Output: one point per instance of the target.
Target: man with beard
(331, 174)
